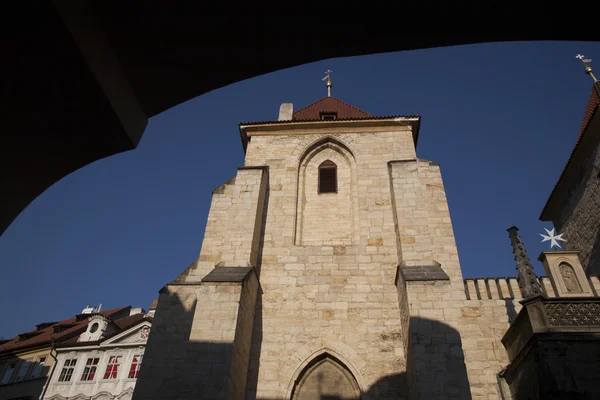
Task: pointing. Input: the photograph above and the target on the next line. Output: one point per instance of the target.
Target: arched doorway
(326, 378)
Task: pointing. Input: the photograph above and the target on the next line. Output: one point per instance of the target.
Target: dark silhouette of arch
(87, 75)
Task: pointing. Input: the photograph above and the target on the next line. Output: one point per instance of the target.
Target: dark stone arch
(326, 377)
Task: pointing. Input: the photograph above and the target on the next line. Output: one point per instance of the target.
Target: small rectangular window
(37, 368)
(67, 371)
(8, 372)
(112, 368)
(23, 370)
(89, 372)
(328, 116)
(135, 366)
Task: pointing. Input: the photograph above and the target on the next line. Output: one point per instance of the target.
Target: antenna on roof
(588, 68)
(328, 79)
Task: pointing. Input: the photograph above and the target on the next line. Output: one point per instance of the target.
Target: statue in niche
(569, 278)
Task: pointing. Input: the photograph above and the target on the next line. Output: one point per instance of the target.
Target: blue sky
(500, 118)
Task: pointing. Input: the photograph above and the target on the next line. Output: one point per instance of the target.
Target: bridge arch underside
(78, 95)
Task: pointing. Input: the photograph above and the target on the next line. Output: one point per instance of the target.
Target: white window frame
(90, 368)
(67, 370)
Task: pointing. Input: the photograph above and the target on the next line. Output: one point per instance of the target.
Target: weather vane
(588, 68)
(328, 79)
(553, 238)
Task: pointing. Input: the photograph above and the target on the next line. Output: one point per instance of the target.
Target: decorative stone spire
(528, 281)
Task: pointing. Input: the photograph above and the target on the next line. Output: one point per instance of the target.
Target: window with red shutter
(112, 368)
(136, 363)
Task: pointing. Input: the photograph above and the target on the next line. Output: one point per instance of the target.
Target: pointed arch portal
(326, 377)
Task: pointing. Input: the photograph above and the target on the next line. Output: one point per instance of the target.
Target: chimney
(152, 308)
(286, 111)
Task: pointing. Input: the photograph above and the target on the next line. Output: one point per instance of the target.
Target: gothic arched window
(327, 177)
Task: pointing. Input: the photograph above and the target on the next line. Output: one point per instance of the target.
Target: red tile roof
(590, 110)
(46, 335)
(592, 105)
(329, 104)
(122, 324)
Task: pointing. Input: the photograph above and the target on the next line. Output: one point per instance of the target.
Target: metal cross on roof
(588, 68)
(328, 79)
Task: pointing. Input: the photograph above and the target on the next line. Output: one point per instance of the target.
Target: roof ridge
(332, 98)
(370, 118)
(592, 107)
(350, 105)
(309, 105)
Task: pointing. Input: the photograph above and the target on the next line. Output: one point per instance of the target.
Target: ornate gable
(136, 334)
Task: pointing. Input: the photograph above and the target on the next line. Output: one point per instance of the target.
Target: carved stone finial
(528, 281)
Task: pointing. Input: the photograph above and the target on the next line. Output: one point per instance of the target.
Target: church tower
(328, 269)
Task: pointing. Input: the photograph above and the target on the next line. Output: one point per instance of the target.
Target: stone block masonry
(365, 282)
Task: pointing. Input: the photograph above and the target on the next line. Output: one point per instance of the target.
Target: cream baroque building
(329, 270)
(103, 362)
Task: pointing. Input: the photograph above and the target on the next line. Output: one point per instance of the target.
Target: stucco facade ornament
(566, 273)
(144, 332)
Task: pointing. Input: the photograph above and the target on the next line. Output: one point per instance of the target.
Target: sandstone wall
(331, 210)
(336, 298)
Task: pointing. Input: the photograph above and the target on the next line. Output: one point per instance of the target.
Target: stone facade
(362, 287)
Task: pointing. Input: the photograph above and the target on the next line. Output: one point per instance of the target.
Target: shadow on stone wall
(176, 368)
(510, 309)
(593, 267)
(257, 331)
(435, 362)
(257, 336)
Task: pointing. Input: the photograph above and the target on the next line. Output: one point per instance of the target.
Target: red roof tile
(47, 334)
(329, 104)
(122, 324)
(592, 106)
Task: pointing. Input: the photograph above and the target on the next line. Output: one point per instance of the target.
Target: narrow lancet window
(327, 177)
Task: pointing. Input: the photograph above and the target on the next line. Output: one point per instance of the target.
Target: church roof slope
(590, 111)
(329, 104)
